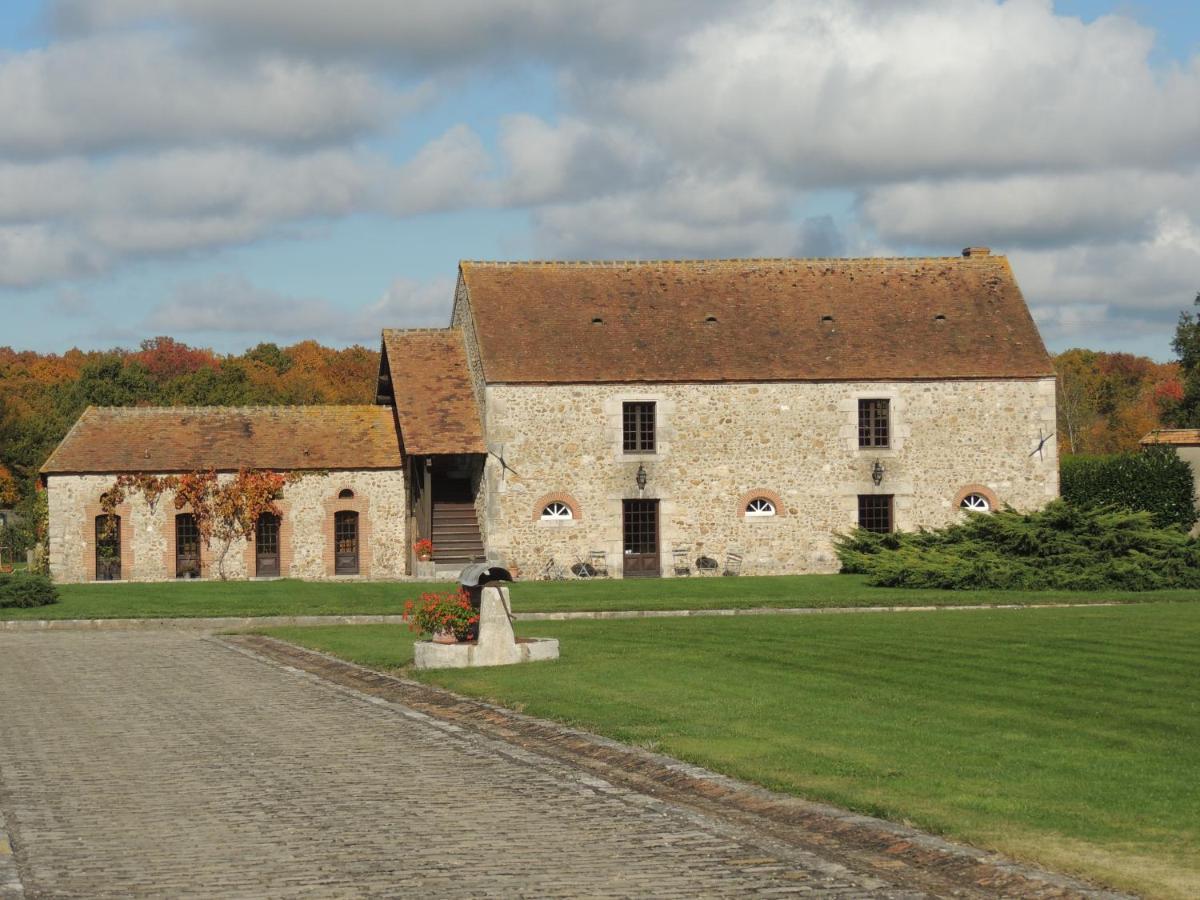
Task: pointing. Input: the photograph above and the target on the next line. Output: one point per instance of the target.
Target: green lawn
(288, 597)
(1070, 738)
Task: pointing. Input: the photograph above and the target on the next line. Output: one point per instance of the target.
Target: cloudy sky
(231, 171)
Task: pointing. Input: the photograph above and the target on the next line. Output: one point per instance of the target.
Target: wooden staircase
(456, 537)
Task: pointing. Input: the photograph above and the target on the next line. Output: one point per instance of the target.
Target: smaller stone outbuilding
(343, 515)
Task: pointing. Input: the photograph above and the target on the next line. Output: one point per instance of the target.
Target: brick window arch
(556, 502)
(754, 504)
(969, 496)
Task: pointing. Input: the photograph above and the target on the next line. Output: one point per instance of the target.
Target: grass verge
(319, 598)
(1069, 738)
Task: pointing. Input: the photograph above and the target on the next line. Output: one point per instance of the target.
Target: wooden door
(187, 546)
(640, 528)
(266, 546)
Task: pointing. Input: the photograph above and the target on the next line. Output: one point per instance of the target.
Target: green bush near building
(1061, 547)
(1156, 480)
(21, 591)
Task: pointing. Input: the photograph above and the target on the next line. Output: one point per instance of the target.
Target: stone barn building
(641, 417)
(344, 515)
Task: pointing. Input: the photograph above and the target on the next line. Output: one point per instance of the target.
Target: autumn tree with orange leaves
(8, 488)
(225, 510)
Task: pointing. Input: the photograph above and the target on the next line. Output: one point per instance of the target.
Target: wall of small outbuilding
(308, 507)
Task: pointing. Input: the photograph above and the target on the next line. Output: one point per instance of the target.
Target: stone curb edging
(910, 858)
(789, 611)
(226, 623)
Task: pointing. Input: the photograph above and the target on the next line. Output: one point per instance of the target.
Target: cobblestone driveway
(167, 764)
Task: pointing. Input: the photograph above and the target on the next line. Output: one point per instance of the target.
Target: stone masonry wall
(721, 445)
(306, 529)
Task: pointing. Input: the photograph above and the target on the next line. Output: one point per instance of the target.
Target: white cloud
(858, 93)
(112, 92)
(419, 34)
(683, 128)
(230, 304)
(687, 215)
(77, 216)
(35, 254)
(1126, 293)
(447, 173)
(1031, 210)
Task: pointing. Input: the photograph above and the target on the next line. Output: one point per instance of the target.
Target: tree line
(1108, 401)
(42, 394)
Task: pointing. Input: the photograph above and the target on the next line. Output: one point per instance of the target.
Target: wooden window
(187, 546)
(637, 422)
(108, 548)
(345, 543)
(874, 423)
(875, 512)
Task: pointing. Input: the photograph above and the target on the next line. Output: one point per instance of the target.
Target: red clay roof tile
(183, 439)
(435, 403)
(1177, 436)
(752, 320)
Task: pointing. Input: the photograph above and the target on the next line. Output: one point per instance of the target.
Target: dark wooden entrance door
(345, 537)
(641, 539)
(187, 546)
(266, 546)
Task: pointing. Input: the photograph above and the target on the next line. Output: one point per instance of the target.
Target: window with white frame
(760, 508)
(557, 512)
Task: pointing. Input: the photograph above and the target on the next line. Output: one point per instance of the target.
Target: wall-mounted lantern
(877, 473)
(640, 478)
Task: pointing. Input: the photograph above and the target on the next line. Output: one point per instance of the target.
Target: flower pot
(444, 637)
(424, 557)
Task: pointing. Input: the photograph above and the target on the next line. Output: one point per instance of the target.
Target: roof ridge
(602, 263)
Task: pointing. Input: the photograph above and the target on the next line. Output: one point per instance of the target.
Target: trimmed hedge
(1156, 480)
(1062, 547)
(21, 591)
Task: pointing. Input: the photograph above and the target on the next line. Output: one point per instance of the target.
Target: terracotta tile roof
(182, 439)
(1178, 436)
(435, 403)
(753, 320)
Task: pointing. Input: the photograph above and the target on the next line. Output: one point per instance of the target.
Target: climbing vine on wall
(225, 511)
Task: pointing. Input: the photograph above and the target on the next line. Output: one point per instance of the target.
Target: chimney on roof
(974, 252)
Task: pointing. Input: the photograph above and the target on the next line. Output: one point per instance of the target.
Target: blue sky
(228, 173)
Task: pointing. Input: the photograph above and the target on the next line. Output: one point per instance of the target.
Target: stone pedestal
(497, 645)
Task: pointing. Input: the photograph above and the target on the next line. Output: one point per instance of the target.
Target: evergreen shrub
(20, 591)
(1062, 547)
(1156, 480)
